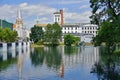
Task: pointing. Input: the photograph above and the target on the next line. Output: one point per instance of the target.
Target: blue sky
(75, 11)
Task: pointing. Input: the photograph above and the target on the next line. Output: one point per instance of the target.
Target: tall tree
(104, 10)
(7, 35)
(36, 33)
(106, 14)
(53, 33)
(70, 39)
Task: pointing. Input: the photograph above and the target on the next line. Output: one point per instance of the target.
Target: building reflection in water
(23, 52)
(20, 63)
(63, 58)
(83, 55)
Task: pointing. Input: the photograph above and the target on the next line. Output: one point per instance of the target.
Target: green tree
(106, 14)
(76, 40)
(104, 10)
(53, 33)
(68, 39)
(7, 35)
(36, 34)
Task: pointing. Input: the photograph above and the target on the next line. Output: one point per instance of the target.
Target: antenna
(37, 20)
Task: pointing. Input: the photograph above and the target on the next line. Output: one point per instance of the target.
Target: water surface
(49, 63)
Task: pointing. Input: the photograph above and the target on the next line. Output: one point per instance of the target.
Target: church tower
(18, 26)
(19, 21)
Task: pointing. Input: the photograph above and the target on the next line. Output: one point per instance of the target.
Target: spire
(19, 14)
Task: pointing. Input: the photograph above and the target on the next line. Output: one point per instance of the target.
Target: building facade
(85, 31)
(58, 17)
(18, 26)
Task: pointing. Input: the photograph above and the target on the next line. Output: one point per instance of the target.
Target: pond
(50, 63)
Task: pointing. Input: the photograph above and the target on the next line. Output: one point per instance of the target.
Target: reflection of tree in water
(69, 50)
(6, 64)
(38, 56)
(52, 57)
(108, 68)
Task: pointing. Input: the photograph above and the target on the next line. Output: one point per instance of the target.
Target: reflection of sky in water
(77, 64)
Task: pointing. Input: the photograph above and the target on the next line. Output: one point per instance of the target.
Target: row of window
(70, 32)
(89, 32)
(92, 32)
(70, 28)
(89, 28)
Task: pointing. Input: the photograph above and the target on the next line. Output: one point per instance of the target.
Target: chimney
(62, 21)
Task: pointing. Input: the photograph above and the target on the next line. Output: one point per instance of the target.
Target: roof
(88, 25)
(41, 25)
(56, 13)
(70, 25)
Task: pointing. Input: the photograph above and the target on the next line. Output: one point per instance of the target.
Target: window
(72, 28)
(76, 28)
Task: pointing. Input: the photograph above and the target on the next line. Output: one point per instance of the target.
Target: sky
(75, 11)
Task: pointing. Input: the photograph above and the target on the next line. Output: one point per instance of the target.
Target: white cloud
(70, 2)
(29, 12)
(77, 17)
(84, 7)
(45, 13)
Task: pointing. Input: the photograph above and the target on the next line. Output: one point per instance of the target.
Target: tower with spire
(19, 21)
(18, 26)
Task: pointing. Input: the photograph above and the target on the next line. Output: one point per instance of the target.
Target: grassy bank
(35, 45)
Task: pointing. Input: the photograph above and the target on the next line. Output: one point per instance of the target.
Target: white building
(58, 17)
(85, 31)
(18, 26)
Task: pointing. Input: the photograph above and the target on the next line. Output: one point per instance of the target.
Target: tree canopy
(104, 10)
(106, 14)
(53, 33)
(70, 39)
(7, 35)
(36, 34)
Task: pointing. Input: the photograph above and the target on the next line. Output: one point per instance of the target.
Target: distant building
(5, 24)
(85, 31)
(18, 26)
(58, 17)
(41, 25)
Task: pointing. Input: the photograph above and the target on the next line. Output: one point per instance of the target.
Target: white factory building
(85, 31)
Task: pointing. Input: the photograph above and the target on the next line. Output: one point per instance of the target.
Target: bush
(117, 52)
(40, 42)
